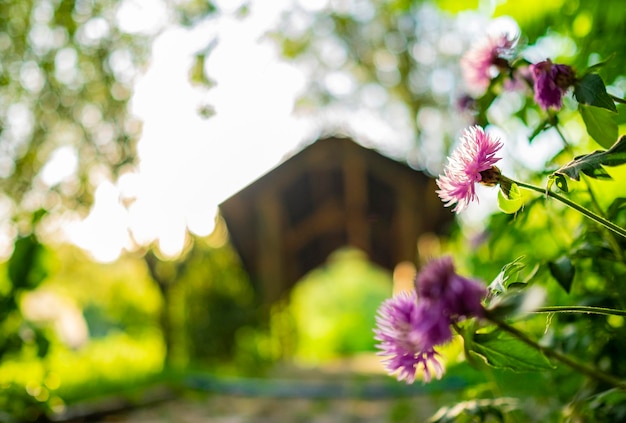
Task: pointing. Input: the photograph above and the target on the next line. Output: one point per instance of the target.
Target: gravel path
(235, 409)
(354, 391)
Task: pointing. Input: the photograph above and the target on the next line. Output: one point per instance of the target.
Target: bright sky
(187, 164)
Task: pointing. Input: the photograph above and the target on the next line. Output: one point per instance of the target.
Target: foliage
(120, 308)
(69, 342)
(218, 301)
(33, 388)
(66, 75)
(591, 164)
(26, 269)
(67, 71)
(571, 241)
(333, 307)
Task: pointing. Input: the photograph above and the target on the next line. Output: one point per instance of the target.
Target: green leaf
(197, 72)
(505, 351)
(508, 290)
(592, 164)
(41, 341)
(501, 282)
(563, 271)
(25, 267)
(519, 298)
(561, 182)
(600, 124)
(599, 65)
(616, 207)
(511, 200)
(591, 91)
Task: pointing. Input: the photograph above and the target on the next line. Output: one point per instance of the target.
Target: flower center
(564, 79)
(490, 177)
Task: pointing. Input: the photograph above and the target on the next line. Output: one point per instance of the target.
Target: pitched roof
(331, 194)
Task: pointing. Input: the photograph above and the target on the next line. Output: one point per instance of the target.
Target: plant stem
(581, 309)
(548, 352)
(591, 215)
(617, 99)
(566, 144)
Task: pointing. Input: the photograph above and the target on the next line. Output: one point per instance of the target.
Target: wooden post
(357, 225)
(269, 246)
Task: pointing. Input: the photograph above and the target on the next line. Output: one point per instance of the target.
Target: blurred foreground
(234, 409)
(347, 390)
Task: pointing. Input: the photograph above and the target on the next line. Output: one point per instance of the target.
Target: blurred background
(124, 125)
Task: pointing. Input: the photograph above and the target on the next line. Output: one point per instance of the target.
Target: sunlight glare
(104, 232)
(62, 164)
(199, 221)
(189, 164)
(141, 16)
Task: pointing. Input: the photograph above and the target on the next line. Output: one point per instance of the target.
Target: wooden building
(331, 194)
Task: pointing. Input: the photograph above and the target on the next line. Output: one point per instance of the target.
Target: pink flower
(551, 83)
(400, 330)
(411, 325)
(473, 161)
(485, 60)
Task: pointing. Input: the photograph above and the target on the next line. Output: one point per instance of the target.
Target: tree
(67, 70)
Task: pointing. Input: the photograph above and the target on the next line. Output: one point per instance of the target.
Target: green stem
(565, 143)
(591, 372)
(581, 309)
(618, 99)
(591, 215)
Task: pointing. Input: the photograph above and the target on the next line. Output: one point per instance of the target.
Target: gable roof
(331, 194)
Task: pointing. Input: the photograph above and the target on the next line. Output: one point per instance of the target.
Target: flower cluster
(473, 161)
(410, 325)
(494, 55)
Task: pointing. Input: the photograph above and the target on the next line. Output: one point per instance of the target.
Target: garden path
(354, 392)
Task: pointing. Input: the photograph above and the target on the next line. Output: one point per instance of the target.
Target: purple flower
(410, 325)
(457, 296)
(485, 60)
(551, 83)
(400, 330)
(473, 161)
